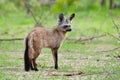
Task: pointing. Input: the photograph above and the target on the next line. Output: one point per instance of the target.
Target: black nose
(69, 30)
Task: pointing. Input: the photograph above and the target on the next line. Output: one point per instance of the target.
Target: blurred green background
(95, 16)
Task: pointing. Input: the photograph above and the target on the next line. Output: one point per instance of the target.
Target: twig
(113, 36)
(28, 8)
(115, 25)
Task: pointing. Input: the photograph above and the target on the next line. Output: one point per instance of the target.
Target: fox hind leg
(31, 64)
(35, 65)
(37, 53)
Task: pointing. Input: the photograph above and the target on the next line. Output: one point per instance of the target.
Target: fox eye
(66, 26)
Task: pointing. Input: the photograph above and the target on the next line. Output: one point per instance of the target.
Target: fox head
(64, 24)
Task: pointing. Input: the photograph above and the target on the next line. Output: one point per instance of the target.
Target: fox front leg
(55, 57)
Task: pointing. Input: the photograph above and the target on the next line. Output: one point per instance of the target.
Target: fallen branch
(77, 40)
(90, 38)
(65, 74)
(73, 74)
(109, 50)
(13, 39)
(95, 37)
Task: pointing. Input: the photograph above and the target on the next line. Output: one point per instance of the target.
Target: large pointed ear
(61, 17)
(72, 16)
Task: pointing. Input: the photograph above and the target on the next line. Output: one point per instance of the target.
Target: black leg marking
(31, 64)
(55, 57)
(35, 66)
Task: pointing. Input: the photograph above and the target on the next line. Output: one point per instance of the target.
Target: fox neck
(59, 37)
(60, 33)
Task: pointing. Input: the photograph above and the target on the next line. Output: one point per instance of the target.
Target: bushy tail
(26, 57)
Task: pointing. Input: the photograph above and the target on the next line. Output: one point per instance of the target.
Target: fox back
(46, 38)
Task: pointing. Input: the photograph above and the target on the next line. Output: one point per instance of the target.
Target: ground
(96, 61)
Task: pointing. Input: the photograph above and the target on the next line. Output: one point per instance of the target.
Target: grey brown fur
(41, 37)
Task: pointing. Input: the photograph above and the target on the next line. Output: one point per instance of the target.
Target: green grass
(87, 57)
(96, 65)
